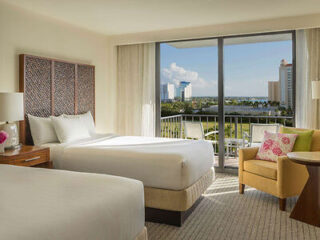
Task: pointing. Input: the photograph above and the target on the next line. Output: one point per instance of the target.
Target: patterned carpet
(225, 214)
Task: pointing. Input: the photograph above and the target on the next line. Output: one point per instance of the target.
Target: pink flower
(3, 136)
(285, 140)
(269, 142)
(277, 151)
(266, 146)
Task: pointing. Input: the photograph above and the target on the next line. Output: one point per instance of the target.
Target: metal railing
(235, 125)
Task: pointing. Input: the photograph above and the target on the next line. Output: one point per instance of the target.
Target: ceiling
(231, 41)
(113, 17)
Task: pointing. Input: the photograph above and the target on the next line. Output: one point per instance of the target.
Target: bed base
(173, 207)
(175, 218)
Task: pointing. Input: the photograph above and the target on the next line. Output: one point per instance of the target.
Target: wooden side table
(28, 156)
(307, 208)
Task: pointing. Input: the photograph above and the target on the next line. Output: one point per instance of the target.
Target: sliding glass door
(258, 88)
(224, 85)
(189, 90)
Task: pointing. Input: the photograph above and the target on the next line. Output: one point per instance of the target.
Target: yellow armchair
(282, 179)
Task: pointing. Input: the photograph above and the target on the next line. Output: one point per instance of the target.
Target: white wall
(24, 32)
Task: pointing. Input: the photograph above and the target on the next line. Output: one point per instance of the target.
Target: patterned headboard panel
(54, 87)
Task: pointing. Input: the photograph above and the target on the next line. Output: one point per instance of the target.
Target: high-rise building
(285, 80)
(167, 92)
(273, 91)
(281, 91)
(185, 91)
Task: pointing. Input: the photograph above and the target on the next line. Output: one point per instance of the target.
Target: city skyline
(247, 68)
(169, 91)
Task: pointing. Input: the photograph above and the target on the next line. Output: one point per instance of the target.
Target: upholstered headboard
(54, 87)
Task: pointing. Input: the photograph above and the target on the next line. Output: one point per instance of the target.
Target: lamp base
(14, 147)
(13, 139)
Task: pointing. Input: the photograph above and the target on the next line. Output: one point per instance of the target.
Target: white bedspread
(43, 204)
(157, 162)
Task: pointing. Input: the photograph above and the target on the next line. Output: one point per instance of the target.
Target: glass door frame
(221, 113)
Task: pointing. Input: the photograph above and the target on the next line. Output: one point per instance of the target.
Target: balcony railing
(235, 125)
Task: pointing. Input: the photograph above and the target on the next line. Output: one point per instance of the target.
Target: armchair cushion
(262, 168)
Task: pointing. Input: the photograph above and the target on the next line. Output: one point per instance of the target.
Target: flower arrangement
(3, 136)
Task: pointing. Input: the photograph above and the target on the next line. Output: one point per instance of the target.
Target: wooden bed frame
(55, 87)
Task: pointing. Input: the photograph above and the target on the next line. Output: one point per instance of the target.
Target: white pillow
(87, 119)
(69, 129)
(42, 130)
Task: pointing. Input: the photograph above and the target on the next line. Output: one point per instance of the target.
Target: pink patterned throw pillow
(275, 145)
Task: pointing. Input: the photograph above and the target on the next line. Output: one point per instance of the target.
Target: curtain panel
(136, 90)
(308, 70)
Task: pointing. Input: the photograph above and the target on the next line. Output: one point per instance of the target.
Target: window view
(258, 91)
(189, 85)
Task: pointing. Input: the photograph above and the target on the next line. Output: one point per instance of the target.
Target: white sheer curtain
(308, 70)
(136, 90)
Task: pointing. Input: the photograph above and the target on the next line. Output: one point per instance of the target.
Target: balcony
(235, 127)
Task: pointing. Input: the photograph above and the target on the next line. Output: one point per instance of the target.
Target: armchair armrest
(246, 154)
(210, 133)
(244, 136)
(291, 177)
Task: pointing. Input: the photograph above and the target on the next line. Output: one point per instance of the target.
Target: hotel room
(159, 119)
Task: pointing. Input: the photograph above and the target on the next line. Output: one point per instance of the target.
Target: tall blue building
(184, 91)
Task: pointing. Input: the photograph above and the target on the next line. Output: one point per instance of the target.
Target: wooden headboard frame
(52, 87)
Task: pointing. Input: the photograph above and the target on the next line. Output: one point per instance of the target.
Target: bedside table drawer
(27, 156)
(31, 159)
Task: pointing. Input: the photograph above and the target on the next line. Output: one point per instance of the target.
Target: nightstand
(28, 156)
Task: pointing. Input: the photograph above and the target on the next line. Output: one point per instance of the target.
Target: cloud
(175, 74)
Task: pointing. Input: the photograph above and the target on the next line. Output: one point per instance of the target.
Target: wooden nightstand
(28, 156)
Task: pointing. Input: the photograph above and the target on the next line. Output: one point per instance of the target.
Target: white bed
(173, 164)
(53, 204)
(175, 172)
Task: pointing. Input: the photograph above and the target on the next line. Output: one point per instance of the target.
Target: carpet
(225, 214)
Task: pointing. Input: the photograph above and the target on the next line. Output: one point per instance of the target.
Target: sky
(247, 67)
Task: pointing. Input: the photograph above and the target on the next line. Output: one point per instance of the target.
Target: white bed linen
(44, 204)
(158, 162)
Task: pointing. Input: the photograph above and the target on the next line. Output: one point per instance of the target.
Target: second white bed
(38, 204)
(173, 164)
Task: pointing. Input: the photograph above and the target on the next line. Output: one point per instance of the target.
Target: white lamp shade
(11, 107)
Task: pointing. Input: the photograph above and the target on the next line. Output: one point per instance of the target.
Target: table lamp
(315, 89)
(11, 110)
